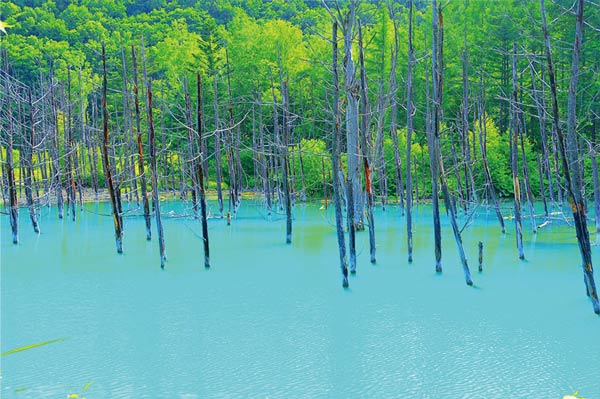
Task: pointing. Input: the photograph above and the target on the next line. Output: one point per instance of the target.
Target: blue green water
(271, 320)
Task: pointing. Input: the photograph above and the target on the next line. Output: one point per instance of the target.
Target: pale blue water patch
(271, 320)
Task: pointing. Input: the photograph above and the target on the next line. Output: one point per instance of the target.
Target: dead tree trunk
(200, 176)
(13, 205)
(410, 111)
(514, 137)
(351, 88)
(116, 209)
(394, 118)
(569, 159)
(154, 173)
(130, 165)
(366, 143)
(546, 170)
(191, 163)
(29, 166)
(284, 158)
(437, 95)
(528, 193)
(71, 148)
(141, 167)
(433, 138)
(55, 153)
(263, 155)
(335, 162)
(218, 167)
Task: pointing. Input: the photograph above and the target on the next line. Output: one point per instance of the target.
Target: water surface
(271, 320)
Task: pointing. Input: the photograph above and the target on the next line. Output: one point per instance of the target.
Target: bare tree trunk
(410, 111)
(231, 151)
(437, 95)
(13, 204)
(433, 138)
(284, 158)
(55, 153)
(191, 167)
(130, 168)
(379, 147)
(71, 148)
(200, 177)
(264, 161)
(546, 170)
(335, 162)
(569, 159)
(154, 173)
(514, 137)
(218, 167)
(107, 170)
(470, 192)
(366, 141)
(394, 118)
(141, 167)
(528, 192)
(29, 166)
(352, 96)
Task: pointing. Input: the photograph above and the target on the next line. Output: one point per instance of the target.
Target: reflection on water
(271, 320)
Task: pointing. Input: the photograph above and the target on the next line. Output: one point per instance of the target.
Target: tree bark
(200, 176)
(569, 159)
(367, 153)
(114, 200)
(29, 166)
(154, 174)
(141, 167)
(410, 111)
(514, 137)
(335, 162)
(351, 89)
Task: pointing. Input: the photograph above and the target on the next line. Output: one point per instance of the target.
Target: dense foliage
(256, 44)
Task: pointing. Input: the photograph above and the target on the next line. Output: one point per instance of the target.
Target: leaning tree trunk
(141, 167)
(116, 209)
(154, 173)
(437, 95)
(569, 159)
(335, 162)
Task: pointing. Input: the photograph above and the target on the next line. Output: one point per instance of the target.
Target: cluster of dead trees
(68, 144)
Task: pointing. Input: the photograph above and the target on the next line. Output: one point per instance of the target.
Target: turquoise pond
(270, 320)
